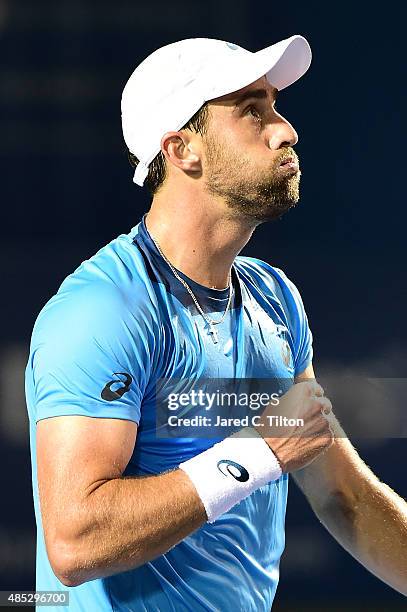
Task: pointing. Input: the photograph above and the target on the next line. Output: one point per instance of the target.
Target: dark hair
(157, 169)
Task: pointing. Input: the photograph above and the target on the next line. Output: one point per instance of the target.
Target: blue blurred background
(66, 190)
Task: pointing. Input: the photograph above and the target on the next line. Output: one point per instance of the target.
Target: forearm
(125, 522)
(362, 513)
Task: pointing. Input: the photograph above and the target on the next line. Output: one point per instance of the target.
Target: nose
(281, 134)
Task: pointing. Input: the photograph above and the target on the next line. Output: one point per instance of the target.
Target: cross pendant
(213, 332)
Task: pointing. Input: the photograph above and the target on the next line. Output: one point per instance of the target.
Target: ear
(180, 150)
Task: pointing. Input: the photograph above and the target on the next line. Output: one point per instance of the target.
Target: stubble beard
(253, 194)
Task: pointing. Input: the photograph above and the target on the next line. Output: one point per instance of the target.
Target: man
(129, 520)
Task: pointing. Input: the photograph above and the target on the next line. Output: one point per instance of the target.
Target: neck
(197, 237)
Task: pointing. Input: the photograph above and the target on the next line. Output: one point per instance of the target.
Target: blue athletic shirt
(123, 311)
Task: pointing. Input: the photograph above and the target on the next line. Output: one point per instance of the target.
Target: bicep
(75, 454)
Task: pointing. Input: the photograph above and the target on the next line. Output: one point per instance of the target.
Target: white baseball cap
(172, 84)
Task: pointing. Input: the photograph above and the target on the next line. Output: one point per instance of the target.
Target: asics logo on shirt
(109, 394)
(229, 467)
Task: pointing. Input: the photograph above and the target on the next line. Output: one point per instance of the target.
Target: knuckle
(316, 404)
(308, 389)
(317, 389)
(325, 402)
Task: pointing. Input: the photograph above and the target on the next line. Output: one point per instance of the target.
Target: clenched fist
(308, 433)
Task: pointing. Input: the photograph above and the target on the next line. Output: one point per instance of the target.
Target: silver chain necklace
(211, 322)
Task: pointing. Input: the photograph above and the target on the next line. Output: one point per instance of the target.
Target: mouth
(289, 164)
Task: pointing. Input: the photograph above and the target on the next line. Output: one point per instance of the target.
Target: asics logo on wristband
(231, 468)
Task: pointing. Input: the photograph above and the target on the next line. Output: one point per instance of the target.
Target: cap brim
(282, 63)
(288, 61)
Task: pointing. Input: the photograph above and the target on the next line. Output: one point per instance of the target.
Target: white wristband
(231, 470)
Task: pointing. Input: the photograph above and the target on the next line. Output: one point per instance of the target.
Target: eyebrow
(260, 94)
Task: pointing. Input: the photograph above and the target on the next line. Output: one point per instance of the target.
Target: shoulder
(274, 286)
(267, 277)
(107, 294)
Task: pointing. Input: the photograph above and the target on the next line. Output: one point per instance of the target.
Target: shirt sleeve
(299, 326)
(90, 355)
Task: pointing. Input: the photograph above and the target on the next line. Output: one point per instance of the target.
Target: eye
(252, 110)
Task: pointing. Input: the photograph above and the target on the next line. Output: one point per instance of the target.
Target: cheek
(234, 133)
(221, 147)
(238, 147)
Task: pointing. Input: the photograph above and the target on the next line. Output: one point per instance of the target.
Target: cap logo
(232, 46)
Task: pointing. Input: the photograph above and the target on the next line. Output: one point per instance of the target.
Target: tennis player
(128, 519)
